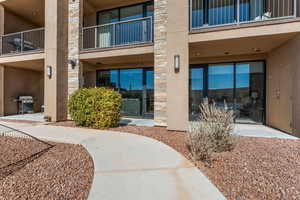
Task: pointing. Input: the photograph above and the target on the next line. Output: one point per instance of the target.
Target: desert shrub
(211, 132)
(95, 107)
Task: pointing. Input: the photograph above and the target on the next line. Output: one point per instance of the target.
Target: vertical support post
(144, 32)
(238, 12)
(56, 43)
(74, 41)
(295, 8)
(114, 36)
(2, 94)
(96, 38)
(160, 64)
(22, 41)
(2, 21)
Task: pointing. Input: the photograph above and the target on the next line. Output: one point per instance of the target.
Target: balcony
(124, 33)
(22, 42)
(214, 13)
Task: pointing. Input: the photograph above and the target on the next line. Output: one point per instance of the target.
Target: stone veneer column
(171, 87)
(160, 62)
(56, 52)
(74, 45)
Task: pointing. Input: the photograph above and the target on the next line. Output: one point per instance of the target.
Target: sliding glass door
(240, 85)
(250, 92)
(135, 85)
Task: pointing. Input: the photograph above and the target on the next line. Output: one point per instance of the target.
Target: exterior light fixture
(49, 71)
(177, 63)
(73, 63)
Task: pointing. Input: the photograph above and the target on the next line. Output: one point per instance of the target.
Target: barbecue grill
(25, 104)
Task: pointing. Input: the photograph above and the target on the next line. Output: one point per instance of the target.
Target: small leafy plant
(95, 107)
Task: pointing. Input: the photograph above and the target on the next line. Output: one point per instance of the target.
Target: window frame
(145, 4)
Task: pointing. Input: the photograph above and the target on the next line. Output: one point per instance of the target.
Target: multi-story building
(164, 56)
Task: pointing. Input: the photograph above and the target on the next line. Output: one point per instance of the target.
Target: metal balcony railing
(22, 42)
(123, 33)
(210, 13)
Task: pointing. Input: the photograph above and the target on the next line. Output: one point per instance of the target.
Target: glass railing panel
(208, 13)
(118, 34)
(21, 42)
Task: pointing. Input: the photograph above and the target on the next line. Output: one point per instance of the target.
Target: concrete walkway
(260, 131)
(131, 167)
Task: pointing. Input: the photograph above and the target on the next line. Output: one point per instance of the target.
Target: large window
(240, 85)
(125, 13)
(136, 87)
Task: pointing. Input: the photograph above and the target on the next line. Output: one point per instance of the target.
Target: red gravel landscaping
(31, 170)
(258, 168)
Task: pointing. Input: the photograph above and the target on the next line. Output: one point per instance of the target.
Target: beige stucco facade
(276, 42)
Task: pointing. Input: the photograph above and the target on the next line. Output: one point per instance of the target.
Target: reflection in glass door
(250, 95)
(221, 84)
(136, 87)
(196, 90)
(148, 101)
(240, 85)
(131, 88)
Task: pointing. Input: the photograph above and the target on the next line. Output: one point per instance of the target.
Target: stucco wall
(90, 20)
(1, 90)
(56, 50)
(89, 79)
(283, 86)
(25, 83)
(178, 81)
(14, 23)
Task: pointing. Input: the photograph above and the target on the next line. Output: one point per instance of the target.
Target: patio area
(35, 117)
(249, 130)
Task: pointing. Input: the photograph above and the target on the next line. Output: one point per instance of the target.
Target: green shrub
(95, 107)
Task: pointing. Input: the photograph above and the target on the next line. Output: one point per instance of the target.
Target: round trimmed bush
(95, 107)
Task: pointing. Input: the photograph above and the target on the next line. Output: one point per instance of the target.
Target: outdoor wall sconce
(49, 71)
(177, 63)
(73, 63)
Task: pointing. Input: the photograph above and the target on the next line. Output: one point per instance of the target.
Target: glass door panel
(131, 12)
(105, 33)
(252, 10)
(196, 91)
(198, 10)
(221, 84)
(136, 87)
(131, 88)
(148, 102)
(241, 85)
(250, 92)
(221, 12)
(108, 78)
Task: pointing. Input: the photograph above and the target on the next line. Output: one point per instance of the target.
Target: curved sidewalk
(132, 167)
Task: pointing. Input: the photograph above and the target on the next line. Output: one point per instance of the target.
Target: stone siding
(160, 62)
(75, 22)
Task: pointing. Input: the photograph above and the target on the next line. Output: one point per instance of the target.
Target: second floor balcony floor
(216, 13)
